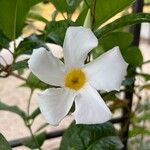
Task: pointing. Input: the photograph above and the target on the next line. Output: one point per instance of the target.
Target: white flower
(78, 82)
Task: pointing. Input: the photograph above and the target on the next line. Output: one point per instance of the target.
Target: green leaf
(56, 30)
(20, 65)
(28, 44)
(145, 116)
(72, 5)
(4, 145)
(138, 131)
(34, 2)
(81, 137)
(99, 50)
(133, 56)
(145, 76)
(34, 83)
(13, 109)
(121, 39)
(81, 18)
(124, 21)
(60, 5)
(68, 6)
(40, 138)
(37, 16)
(35, 113)
(109, 96)
(105, 9)
(12, 16)
(111, 40)
(109, 143)
(4, 41)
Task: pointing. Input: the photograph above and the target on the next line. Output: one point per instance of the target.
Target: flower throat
(75, 79)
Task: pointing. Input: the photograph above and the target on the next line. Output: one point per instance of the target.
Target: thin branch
(146, 62)
(29, 102)
(63, 16)
(30, 130)
(19, 77)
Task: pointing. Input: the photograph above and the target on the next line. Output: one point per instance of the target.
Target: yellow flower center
(75, 79)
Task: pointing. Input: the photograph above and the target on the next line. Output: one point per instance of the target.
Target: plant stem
(28, 124)
(33, 137)
(29, 102)
(17, 76)
(125, 125)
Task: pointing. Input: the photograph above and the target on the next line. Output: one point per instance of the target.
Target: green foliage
(4, 145)
(121, 39)
(90, 137)
(31, 142)
(20, 65)
(4, 41)
(133, 56)
(103, 11)
(111, 40)
(13, 109)
(144, 117)
(138, 131)
(55, 31)
(60, 5)
(123, 21)
(28, 44)
(34, 83)
(35, 113)
(145, 76)
(13, 15)
(68, 6)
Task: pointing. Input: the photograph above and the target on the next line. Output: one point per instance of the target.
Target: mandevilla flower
(78, 82)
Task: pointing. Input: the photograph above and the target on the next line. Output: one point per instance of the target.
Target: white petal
(79, 41)
(47, 67)
(55, 103)
(6, 57)
(90, 107)
(107, 71)
(56, 50)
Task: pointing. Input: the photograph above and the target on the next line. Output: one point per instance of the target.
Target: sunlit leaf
(124, 21)
(105, 9)
(13, 15)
